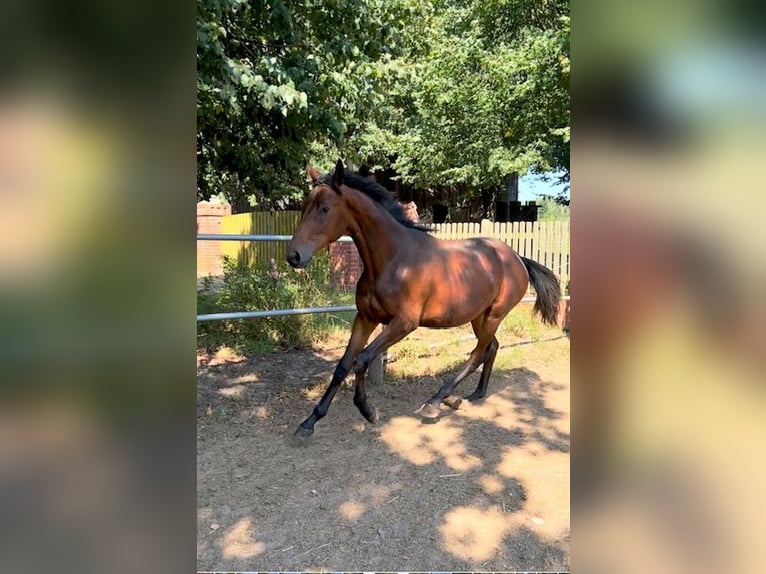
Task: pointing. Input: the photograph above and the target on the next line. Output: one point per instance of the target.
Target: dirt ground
(484, 488)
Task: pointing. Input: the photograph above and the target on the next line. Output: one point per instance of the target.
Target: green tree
(455, 94)
(274, 79)
(488, 97)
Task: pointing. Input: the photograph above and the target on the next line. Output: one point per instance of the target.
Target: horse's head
(324, 218)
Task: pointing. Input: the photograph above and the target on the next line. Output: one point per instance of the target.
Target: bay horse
(412, 279)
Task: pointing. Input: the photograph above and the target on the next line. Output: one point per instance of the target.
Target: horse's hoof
(301, 434)
(429, 412)
(453, 402)
(372, 417)
(475, 397)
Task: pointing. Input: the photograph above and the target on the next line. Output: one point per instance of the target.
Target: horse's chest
(375, 302)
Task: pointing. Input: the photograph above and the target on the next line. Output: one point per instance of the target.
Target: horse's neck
(374, 232)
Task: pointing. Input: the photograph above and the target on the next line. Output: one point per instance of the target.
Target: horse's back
(466, 277)
(490, 252)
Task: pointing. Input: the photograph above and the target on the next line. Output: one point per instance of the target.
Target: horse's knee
(362, 363)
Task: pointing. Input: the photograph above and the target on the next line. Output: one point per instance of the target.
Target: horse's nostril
(293, 258)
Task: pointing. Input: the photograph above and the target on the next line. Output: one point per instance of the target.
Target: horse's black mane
(377, 193)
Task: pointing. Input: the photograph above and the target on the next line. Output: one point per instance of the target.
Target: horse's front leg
(396, 330)
(361, 331)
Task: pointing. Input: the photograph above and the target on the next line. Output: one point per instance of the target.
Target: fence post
(209, 214)
(376, 369)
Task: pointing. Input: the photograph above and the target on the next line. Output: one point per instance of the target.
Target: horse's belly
(444, 322)
(449, 317)
(452, 305)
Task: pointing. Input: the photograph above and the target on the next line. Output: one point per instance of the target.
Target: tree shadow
(485, 488)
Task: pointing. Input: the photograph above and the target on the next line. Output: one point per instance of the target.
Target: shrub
(551, 210)
(267, 287)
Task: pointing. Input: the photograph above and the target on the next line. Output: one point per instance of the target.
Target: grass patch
(436, 352)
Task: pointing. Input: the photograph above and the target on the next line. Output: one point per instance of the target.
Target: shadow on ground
(485, 488)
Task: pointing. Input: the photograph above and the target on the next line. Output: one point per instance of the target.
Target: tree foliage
(485, 101)
(448, 93)
(552, 210)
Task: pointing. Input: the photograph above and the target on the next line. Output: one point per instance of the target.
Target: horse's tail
(548, 290)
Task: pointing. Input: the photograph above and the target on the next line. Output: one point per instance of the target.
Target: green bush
(550, 210)
(267, 287)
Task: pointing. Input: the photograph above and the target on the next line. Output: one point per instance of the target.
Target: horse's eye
(325, 209)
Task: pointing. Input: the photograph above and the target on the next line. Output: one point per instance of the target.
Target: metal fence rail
(273, 313)
(281, 312)
(216, 237)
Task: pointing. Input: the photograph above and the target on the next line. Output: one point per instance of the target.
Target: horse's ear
(313, 173)
(337, 178)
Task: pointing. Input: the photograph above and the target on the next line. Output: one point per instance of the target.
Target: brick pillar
(345, 265)
(209, 252)
(563, 315)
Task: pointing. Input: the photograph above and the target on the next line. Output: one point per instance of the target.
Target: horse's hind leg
(486, 371)
(484, 327)
(431, 408)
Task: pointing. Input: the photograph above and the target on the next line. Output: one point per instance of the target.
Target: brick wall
(209, 252)
(563, 315)
(345, 265)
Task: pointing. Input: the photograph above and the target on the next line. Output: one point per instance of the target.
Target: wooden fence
(547, 242)
(258, 223)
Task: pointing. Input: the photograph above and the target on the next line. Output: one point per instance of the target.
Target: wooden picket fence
(258, 223)
(547, 242)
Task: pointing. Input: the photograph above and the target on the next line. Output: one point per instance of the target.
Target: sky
(532, 185)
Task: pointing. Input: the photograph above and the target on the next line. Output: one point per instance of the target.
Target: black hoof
(475, 397)
(453, 402)
(429, 412)
(302, 434)
(372, 416)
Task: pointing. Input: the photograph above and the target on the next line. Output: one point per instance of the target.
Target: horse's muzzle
(295, 260)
